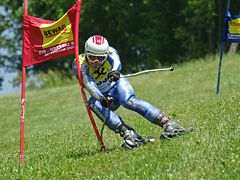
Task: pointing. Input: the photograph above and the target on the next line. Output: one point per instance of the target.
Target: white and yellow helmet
(97, 45)
(96, 50)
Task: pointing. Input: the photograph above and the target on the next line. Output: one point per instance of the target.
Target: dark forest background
(147, 33)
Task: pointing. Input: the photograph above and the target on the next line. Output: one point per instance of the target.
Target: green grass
(60, 142)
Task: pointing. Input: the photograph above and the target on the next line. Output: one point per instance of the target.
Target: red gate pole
(81, 81)
(22, 115)
(23, 95)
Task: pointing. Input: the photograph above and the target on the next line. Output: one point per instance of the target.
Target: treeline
(147, 33)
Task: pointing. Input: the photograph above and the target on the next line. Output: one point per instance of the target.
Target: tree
(147, 33)
(11, 32)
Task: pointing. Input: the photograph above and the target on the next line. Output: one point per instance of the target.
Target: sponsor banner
(233, 34)
(234, 26)
(46, 39)
(233, 38)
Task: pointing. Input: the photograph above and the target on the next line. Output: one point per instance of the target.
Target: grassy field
(60, 142)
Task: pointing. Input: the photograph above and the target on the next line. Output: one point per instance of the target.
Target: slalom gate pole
(81, 82)
(222, 48)
(23, 95)
(219, 68)
(21, 160)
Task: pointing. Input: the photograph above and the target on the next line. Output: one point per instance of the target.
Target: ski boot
(131, 138)
(171, 128)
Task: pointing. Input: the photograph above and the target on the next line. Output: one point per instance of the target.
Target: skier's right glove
(106, 101)
(113, 76)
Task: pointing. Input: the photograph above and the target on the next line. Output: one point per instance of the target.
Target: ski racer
(100, 68)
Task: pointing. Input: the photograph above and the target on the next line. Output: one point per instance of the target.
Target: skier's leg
(131, 138)
(126, 96)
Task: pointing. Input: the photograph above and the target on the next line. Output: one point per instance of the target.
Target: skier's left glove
(114, 76)
(106, 101)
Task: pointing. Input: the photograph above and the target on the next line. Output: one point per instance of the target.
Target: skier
(100, 68)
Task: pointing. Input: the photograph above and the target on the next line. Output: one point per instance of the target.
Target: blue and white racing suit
(98, 85)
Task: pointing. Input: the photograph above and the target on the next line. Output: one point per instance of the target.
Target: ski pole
(147, 71)
(106, 117)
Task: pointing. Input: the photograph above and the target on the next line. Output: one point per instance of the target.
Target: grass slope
(60, 142)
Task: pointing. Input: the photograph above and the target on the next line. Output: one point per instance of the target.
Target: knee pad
(128, 102)
(131, 104)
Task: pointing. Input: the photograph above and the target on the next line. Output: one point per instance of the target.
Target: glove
(113, 76)
(106, 101)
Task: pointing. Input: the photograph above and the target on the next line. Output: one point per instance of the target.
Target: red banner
(46, 39)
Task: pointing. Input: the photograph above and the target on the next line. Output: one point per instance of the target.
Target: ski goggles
(96, 58)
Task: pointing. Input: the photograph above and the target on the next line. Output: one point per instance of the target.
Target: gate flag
(231, 34)
(46, 39)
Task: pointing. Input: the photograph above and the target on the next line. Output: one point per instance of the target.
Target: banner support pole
(219, 68)
(22, 115)
(81, 81)
(23, 95)
(224, 38)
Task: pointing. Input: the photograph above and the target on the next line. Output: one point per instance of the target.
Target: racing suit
(98, 85)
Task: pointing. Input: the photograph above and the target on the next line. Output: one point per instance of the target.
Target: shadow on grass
(82, 153)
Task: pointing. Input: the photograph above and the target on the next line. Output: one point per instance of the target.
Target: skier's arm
(92, 88)
(89, 84)
(115, 61)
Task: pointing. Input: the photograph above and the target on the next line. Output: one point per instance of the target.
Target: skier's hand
(113, 76)
(106, 101)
